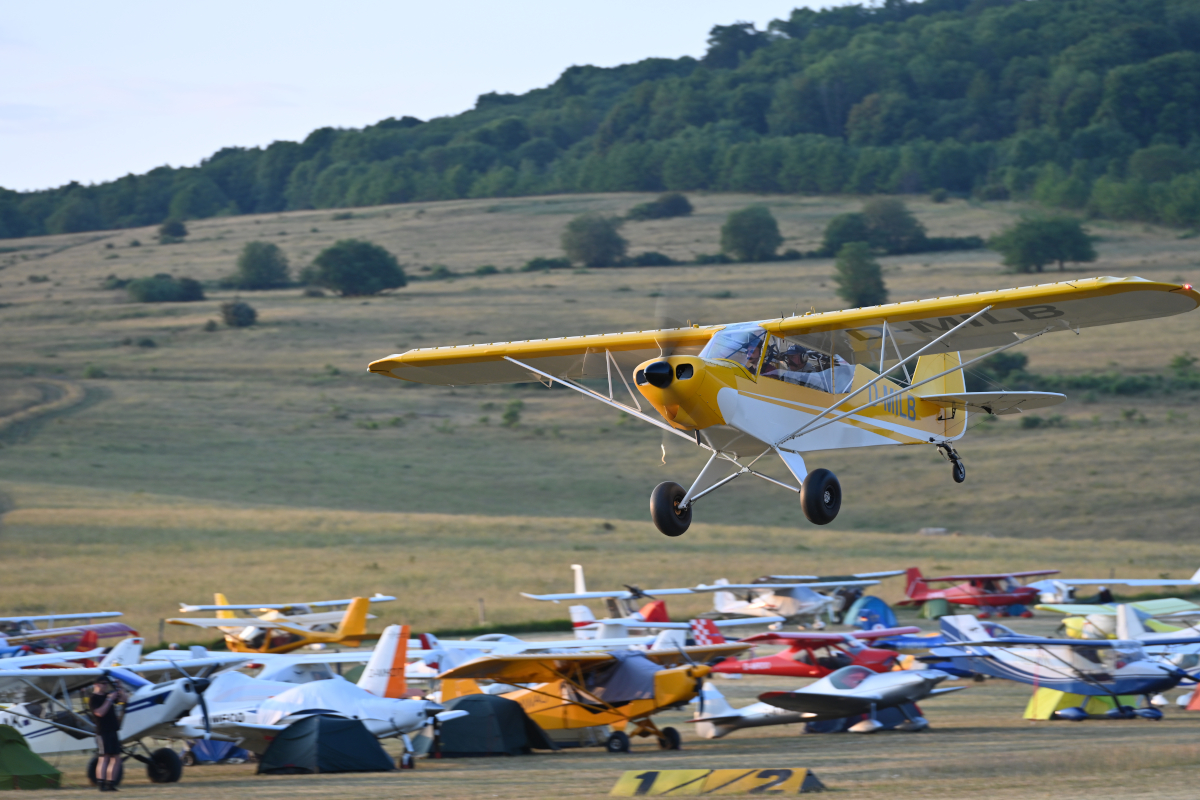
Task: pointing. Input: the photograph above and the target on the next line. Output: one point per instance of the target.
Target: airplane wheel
(406, 761)
(959, 471)
(821, 496)
(165, 766)
(670, 739)
(617, 742)
(91, 769)
(664, 509)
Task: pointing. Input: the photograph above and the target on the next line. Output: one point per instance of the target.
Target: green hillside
(1086, 105)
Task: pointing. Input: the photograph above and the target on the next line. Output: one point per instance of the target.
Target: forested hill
(1085, 104)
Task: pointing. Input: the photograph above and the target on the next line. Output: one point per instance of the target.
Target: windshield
(794, 363)
(742, 345)
(849, 677)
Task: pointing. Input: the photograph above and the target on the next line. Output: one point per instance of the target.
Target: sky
(93, 91)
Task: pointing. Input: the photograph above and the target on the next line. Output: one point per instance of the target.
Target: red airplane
(996, 592)
(815, 655)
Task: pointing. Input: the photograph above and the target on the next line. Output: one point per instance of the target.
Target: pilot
(753, 355)
(103, 706)
(794, 367)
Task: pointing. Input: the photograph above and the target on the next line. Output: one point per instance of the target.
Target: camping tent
(20, 767)
(324, 744)
(495, 726)
(870, 612)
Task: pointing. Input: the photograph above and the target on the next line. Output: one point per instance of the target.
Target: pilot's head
(797, 357)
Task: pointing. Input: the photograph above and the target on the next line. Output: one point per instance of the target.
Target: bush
(893, 227)
(1032, 243)
(859, 279)
(261, 265)
(210, 326)
(671, 204)
(171, 231)
(651, 258)
(312, 291)
(541, 264)
(113, 282)
(486, 269)
(355, 268)
(163, 288)
(92, 371)
(751, 234)
(237, 314)
(439, 272)
(593, 240)
(512, 414)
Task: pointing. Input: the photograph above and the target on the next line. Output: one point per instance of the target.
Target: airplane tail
(1129, 624)
(453, 688)
(580, 585)
(124, 653)
(1196, 576)
(88, 641)
(963, 628)
(669, 640)
(928, 366)
(715, 704)
(384, 674)
(914, 583)
(580, 616)
(655, 611)
(354, 623)
(706, 632)
(219, 600)
(725, 602)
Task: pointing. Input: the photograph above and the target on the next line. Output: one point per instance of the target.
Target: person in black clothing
(103, 705)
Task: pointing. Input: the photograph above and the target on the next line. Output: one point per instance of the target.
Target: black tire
(165, 766)
(959, 471)
(406, 761)
(670, 739)
(93, 762)
(617, 742)
(821, 497)
(664, 509)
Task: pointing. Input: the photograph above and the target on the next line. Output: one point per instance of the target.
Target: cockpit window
(794, 363)
(849, 677)
(742, 345)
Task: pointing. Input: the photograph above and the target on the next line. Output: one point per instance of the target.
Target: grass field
(267, 464)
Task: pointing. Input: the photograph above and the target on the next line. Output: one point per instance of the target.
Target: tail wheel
(617, 742)
(670, 739)
(668, 517)
(821, 496)
(959, 471)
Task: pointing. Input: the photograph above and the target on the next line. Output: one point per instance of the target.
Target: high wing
(787, 639)
(671, 658)
(1126, 582)
(619, 594)
(1165, 606)
(724, 587)
(1122, 644)
(43, 659)
(184, 607)
(213, 622)
(52, 618)
(527, 668)
(829, 578)
(991, 576)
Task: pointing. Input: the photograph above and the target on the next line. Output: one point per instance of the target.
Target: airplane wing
(184, 607)
(253, 737)
(52, 618)
(1084, 643)
(998, 403)
(724, 587)
(991, 576)
(674, 658)
(785, 638)
(815, 704)
(827, 578)
(1158, 608)
(620, 594)
(945, 690)
(45, 659)
(856, 333)
(527, 668)
(1126, 582)
(213, 622)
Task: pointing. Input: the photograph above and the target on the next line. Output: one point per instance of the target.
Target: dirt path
(26, 400)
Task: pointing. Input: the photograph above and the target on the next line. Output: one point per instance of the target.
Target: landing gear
(821, 496)
(164, 766)
(670, 739)
(406, 761)
(617, 742)
(668, 517)
(957, 469)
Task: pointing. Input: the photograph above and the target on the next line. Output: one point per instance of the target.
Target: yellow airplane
(274, 632)
(621, 689)
(797, 385)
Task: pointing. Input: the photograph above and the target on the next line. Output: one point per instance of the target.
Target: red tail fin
(655, 611)
(87, 641)
(914, 583)
(705, 632)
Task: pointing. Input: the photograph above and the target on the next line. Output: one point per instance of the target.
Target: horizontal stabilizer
(998, 403)
(946, 690)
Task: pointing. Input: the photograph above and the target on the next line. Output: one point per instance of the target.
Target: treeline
(1085, 105)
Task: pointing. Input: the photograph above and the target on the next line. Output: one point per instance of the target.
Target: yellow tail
(354, 623)
(458, 687)
(219, 600)
(928, 366)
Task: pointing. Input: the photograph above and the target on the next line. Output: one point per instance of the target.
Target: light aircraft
(798, 385)
(815, 655)
(1099, 620)
(995, 591)
(845, 693)
(1092, 668)
(22, 634)
(252, 711)
(569, 691)
(278, 633)
(53, 719)
(1062, 590)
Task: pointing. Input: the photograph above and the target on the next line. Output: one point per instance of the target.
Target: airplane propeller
(198, 685)
(699, 681)
(635, 593)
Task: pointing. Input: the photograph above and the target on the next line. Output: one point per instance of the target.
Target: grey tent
(324, 744)
(495, 726)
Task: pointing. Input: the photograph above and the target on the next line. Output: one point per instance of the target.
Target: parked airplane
(815, 655)
(991, 592)
(793, 386)
(1063, 590)
(792, 600)
(845, 693)
(282, 634)
(21, 634)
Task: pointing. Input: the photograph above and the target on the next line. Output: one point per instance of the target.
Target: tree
(353, 267)
(859, 279)
(261, 265)
(728, 43)
(751, 234)
(237, 314)
(665, 206)
(893, 227)
(1031, 244)
(164, 288)
(593, 240)
(844, 229)
(172, 230)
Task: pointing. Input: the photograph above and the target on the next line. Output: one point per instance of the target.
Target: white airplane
(53, 718)
(789, 600)
(1062, 590)
(252, 711)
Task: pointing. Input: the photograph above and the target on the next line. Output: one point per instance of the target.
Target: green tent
(495, 726)
(935, 609)
(324, 744)
(20, 767)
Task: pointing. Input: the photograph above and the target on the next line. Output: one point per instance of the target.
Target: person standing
(103, 704)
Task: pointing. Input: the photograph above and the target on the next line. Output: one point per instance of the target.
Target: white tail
(580, 586)
(671, 639)
(1196, 576)
(706, 632)
(963, 628)
(580, 616)
(1129, 625)
(384, 673)
(715, 704)
(124, 653)
(726, 602)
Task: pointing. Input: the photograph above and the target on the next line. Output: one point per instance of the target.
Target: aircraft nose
(200, 684)
(659, 374)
